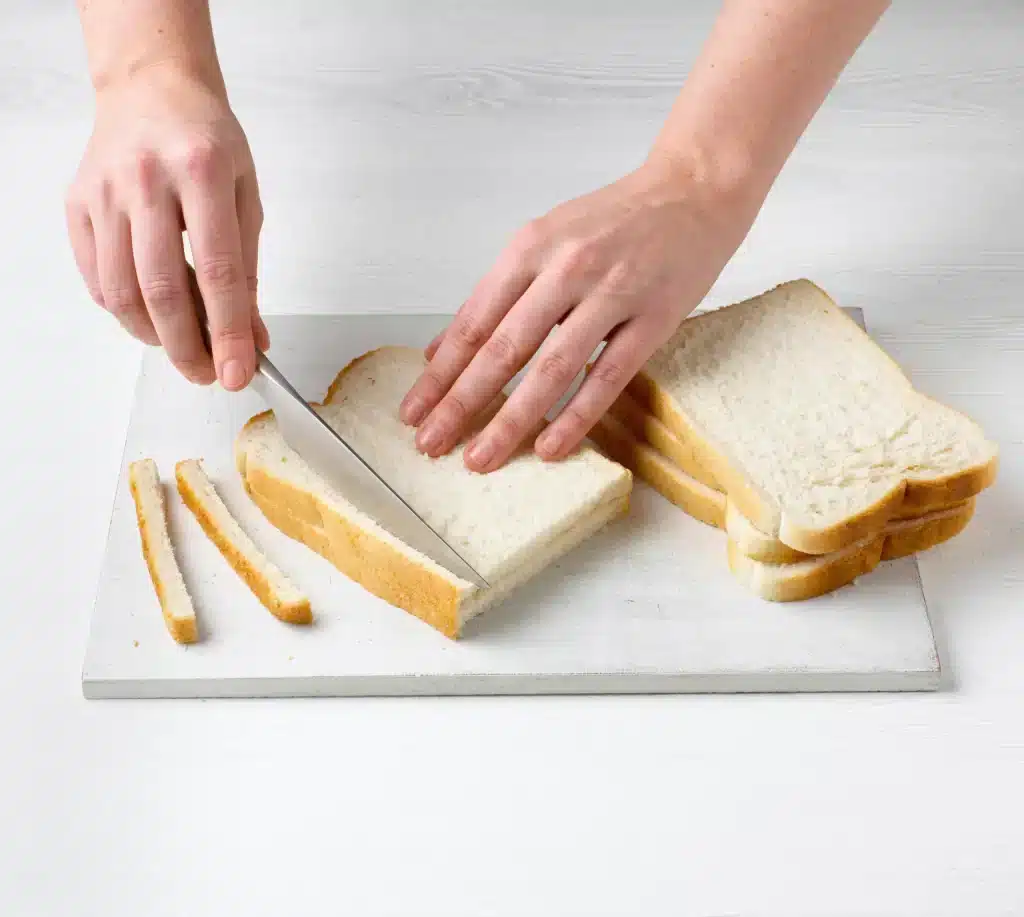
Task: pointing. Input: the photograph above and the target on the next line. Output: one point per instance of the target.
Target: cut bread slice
(276, 592)
(675, 485)
(815, 434)
(151, 513)
(815, 576)
(508, 524)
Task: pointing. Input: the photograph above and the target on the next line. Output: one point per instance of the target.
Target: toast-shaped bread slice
(747, 537)
(815, 434)
(278, 594)
(795, 577)
(151, 513)
(509, 524)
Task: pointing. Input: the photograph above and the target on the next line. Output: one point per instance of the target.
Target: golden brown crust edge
(375, 564)
(298, 612)
(182, 630)
(696, 500)
(823, 576)
(819, 578)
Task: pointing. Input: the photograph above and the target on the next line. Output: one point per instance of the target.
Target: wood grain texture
(399, 145)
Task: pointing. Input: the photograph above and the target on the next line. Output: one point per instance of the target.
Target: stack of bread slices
(781, 422)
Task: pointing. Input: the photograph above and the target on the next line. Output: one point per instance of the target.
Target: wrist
(723, 175)
(159, 69)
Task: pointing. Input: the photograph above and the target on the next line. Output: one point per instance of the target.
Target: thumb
(250, 222)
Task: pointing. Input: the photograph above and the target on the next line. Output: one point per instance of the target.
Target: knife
(320, 446)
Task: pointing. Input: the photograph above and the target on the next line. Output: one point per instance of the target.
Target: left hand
(624, 264)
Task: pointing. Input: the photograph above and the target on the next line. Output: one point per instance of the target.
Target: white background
(399, 145)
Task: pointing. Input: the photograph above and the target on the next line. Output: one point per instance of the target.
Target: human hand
(166, 155)
(624, 264)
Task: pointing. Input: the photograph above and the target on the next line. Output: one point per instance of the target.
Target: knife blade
(328, 453)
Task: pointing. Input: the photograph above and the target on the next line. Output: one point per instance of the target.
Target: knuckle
(163, 295)
(452, 411)
(121, 302)
(574, 422)
(470, 333)
(621, 276)
(578, 258)
(96, 294)
(556, 369)
(508, 429)
(233, 335)
(529, 237)
(503, 353)
(220, 272)
(202, 159)
(610, 373)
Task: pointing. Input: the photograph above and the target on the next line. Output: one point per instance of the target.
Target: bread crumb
(135, 642)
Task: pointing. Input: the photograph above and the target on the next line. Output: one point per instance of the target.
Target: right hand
(166, 155)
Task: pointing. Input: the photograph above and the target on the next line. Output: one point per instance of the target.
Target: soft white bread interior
(151, 513)
(508, 524)
(815, 434)
(278, 594)
(774, 577)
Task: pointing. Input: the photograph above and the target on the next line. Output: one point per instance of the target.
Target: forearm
(124, 37)
(762, 74)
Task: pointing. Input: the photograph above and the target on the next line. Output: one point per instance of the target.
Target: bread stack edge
(780, 421)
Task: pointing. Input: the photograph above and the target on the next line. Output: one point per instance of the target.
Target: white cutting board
(646, 606)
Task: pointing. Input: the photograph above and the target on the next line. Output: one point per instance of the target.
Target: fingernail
(413, 410)
(429, 439)
(233, 374)
(480, 453)
(550, 442)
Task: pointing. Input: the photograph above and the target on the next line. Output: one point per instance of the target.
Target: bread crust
(906, 496)
(182, 630)
(291, 612)
(814, 576)
(420, 588)
(372, 562)
(690, 495)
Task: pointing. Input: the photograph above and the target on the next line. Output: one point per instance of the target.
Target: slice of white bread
(278, 594)
(794, 579)
(815, 434)
(817, 575)
(751, 541)
(151, 513)
(508, 524)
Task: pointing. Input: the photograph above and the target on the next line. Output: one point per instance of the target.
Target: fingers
(558, 363)
(431, 348)
(618, 363)
(83, 247)
(211, 219)
(250, 223)
(472, 326)
(509, 348)
(115, 270)
(162, 278)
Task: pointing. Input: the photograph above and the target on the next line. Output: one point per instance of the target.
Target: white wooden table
(399, 144)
